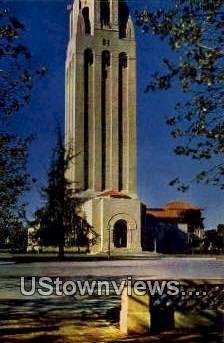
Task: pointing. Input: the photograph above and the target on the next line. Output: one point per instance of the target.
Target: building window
(88, 62)
(106, 42)
(104, 95)
(105, 12)
(120, 234)
(123, 18)
(85, 13)
(122, 95)
(123, 61)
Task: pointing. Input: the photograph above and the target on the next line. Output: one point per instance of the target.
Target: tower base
(116, 223)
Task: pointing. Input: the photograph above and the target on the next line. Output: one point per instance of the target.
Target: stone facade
(100, 128)
(100, 121)
(117, 222)
(101, 99)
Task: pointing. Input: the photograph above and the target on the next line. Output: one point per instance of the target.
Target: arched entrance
(123, 232)
(120, 234)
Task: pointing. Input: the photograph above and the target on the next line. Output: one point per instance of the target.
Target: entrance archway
(123, 232)
(120, 234)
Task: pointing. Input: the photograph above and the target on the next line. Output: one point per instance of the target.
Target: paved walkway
(166, 268)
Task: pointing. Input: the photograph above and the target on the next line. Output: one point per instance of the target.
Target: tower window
(104, 93)
(123, 18)
(88, 62)
(105, 12)
(123, 63)
(85, 13)
(106, 42)
(106, 59)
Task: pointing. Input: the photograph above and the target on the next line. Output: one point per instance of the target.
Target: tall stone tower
(101, 119)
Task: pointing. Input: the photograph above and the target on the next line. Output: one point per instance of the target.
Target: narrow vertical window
(104, 92)
(68, 138)
(88, 61)
(85, 13)
(123, 18)
(105, 12)
(121, 99)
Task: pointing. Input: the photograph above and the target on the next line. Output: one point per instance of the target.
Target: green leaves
(16, 23)
(16, 76)
(16, 83)
(194, 31)
(59, 218)
(14, 179)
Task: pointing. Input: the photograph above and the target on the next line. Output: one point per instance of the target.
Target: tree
(13, 182)
(220, 229)
(18, 237)
(214, 239)
(59, 218)
(16, 75)
(220, 234)
(16, 82)
(194, 32)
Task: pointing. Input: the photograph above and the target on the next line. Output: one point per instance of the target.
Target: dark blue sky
(47, 36)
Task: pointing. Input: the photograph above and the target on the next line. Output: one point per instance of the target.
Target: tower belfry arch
(105, 11)
(101, 99)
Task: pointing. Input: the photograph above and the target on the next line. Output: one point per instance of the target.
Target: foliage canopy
(194, 30)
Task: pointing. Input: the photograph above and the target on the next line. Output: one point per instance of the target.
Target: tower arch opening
(120, 234)
(88, 56)
(105, 61)
(123, 18)
(123, 60)
(105, 12)
(85, 13)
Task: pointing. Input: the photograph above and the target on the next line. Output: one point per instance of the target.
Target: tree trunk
(61, 242)
(61, 251)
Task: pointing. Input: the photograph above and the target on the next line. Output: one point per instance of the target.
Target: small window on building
(85, 13)
(106, 42)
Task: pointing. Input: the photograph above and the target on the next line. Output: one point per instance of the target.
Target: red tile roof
(173, 210)
(114, 194)
(162, 214)
(181, 205)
